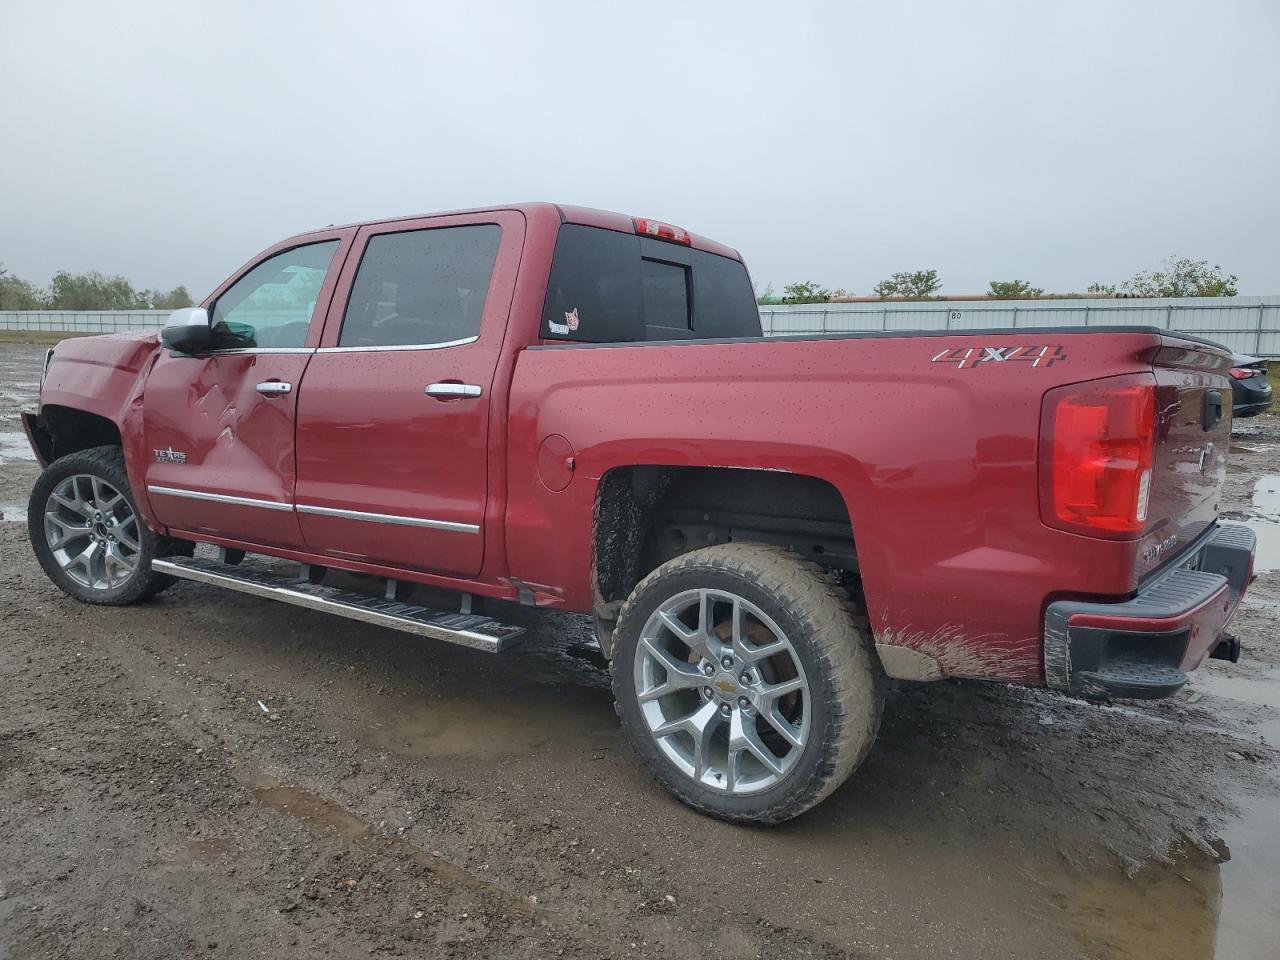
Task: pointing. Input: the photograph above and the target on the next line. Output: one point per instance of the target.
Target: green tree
(175, 298)
(1013, 290)
(93, 291)
(805, 292)
(919, 285)
(1183, 277)
(18, 294)
(1102, 289)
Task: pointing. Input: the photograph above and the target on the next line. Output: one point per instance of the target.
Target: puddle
(1166, 910)
(497, 726)
(1260, 688)
(1266, 495)
(1250, 914)
(1267, 557)
(13, 512)
(14, 446)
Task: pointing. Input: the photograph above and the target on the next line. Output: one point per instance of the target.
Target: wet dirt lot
(214, 775)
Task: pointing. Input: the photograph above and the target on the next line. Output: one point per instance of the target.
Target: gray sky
(1061, 143)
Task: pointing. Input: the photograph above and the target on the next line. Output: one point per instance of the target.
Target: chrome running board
(480, 633)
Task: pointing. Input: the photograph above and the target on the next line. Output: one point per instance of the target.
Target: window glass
(666, 294)
(271, 305)
(421, 287)
(593, 291)
(604, 289)
(724, 302)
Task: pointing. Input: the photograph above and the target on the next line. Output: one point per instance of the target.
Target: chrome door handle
(452, 390)
(274, 388)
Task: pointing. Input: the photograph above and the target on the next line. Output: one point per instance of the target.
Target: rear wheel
(745, 682)
(87, 533)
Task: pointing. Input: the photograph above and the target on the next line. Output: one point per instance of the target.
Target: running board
(481, 633)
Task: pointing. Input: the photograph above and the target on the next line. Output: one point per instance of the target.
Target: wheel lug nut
(726, 709)
(746, 677)
(727, 662)
(708, 669)
(706, 692)
(743, 702)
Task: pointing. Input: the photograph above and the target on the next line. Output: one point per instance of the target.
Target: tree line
(85, 291)
(1177, 277)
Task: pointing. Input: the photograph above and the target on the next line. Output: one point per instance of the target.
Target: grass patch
(40, 337)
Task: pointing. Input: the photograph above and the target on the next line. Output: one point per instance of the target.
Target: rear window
(609, 287)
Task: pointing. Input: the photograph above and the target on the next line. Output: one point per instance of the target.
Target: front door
(393, 414)
(219, 427)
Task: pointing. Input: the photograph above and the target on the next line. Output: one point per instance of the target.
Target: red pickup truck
(568, 408)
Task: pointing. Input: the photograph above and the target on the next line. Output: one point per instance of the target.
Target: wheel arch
(646, 514)
(69, 430)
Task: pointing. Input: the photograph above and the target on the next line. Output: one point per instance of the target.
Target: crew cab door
(393, 415)
(218, 428)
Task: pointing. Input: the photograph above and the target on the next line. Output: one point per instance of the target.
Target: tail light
(1243, 373)
(661, 231)
(1097, 444)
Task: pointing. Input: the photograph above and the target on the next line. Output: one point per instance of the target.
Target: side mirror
(187, 330)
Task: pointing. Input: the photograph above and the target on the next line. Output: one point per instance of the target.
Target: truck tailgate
(1193, 437)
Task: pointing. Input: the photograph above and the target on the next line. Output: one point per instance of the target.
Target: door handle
(274, 388)
(452, 391)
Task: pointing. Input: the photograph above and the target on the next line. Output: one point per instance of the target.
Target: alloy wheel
(92, 532)
(722, 691)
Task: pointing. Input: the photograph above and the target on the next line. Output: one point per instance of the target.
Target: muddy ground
(214, 775)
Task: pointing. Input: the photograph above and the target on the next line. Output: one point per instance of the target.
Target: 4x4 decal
(967, 358)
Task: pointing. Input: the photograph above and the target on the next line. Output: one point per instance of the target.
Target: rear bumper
(1249, 398)
(1144, 647)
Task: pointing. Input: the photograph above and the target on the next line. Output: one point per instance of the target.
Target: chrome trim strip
(313, 599)
(412, 346)
(219, 498)
(388, 518)
(242, 350)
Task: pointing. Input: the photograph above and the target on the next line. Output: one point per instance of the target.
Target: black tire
(845, 677)
(106, 463)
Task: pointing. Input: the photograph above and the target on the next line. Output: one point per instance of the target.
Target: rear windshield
(610, 287)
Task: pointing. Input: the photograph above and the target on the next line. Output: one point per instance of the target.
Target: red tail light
(1097, 444)
(1242, 373)
(661, 231)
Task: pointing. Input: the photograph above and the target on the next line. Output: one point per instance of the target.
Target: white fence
(82, 321)
(1245, 324)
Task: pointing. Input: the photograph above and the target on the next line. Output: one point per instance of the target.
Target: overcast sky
(1061, 143)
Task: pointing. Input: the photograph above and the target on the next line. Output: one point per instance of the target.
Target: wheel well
(646, 515)
(70, 430)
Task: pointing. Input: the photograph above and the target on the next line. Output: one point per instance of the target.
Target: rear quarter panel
(935, 460)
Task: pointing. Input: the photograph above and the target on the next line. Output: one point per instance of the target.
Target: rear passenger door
(393, 414)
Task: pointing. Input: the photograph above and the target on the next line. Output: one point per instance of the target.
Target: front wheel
(87, 533)
(745, 682)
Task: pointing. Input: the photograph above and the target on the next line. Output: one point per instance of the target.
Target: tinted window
(593, 292)
(609, 287)
(666, 294)
(421, 287)
(271, 305)
(725, 302)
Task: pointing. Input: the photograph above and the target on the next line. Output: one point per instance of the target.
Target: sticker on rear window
(570, 323)
(966, 358)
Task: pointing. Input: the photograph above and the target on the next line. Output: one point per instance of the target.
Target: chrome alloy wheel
(722, 691)
(92, 532)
